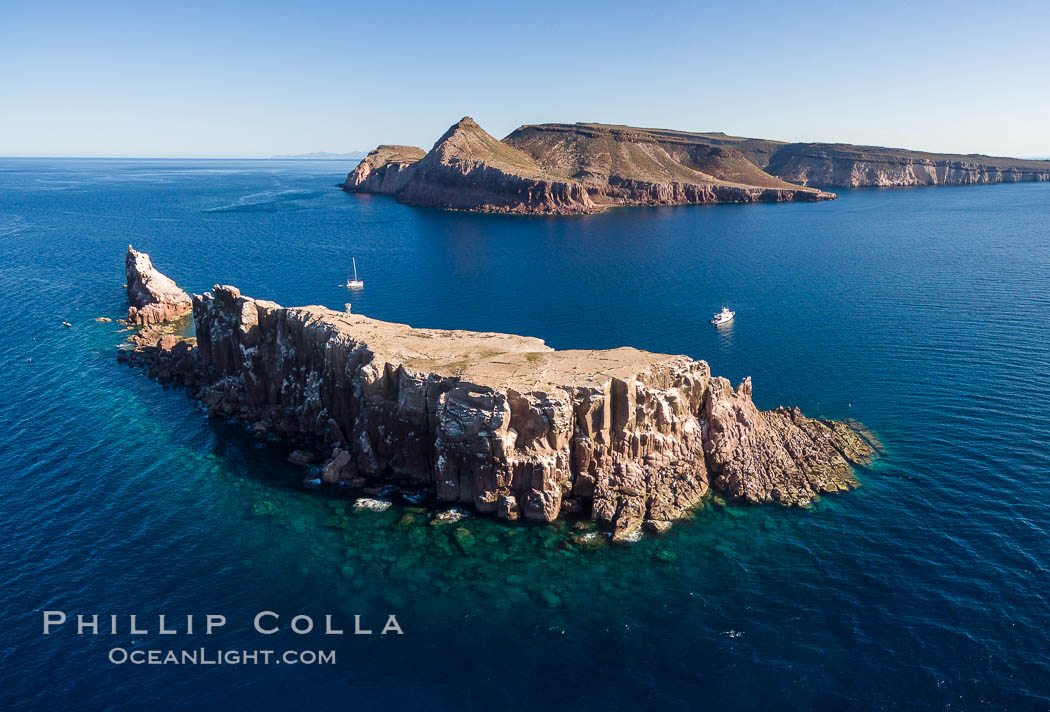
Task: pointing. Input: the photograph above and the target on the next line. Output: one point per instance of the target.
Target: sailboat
(355, 283)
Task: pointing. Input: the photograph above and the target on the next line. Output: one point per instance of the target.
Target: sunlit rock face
(153, 297)
(568, 169)
(871, 166)
(503, 423)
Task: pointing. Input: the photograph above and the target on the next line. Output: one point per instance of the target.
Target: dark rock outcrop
(502, 423)
(153, 297)
(563, 169)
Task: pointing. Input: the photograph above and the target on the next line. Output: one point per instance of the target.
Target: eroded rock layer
(869, 166)
(503, 423)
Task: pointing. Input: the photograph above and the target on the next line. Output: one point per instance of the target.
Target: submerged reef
(501, 423)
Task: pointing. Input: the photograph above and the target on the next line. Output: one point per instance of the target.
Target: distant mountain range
(326, 156)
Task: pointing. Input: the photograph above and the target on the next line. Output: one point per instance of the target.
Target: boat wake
(267, 201)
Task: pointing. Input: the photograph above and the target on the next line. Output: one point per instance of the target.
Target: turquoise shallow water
(922, 313)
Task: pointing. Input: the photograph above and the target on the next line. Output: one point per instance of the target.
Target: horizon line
(174, 158)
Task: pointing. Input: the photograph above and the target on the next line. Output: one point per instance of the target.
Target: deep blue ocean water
(923, 313)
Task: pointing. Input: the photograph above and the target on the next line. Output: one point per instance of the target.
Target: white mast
(354, 283)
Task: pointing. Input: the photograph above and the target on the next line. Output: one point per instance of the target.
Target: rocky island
(497, 422)
(586, 168)
(556, 169)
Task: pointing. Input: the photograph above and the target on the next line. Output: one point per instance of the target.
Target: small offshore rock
(102, 319)
(657, 526)
(628, 536)
(367, 504)
(588, 540)
(450, 516)
(333, 469)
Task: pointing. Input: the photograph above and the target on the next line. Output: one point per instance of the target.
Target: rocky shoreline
(499, 423)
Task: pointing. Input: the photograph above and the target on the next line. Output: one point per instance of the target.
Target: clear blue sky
(259, 78)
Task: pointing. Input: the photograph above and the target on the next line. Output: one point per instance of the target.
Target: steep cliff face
(470, 170)
(564, 169)
(863, 166)
(498, 422)
(384, 170)
(153, 297)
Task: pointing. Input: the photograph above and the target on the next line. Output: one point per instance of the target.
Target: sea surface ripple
(923, 313)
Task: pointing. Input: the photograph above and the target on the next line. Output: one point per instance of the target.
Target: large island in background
(559, 169)
(585, 168)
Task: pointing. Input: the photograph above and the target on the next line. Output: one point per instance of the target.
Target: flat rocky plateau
(501, 423)
(554, 169)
